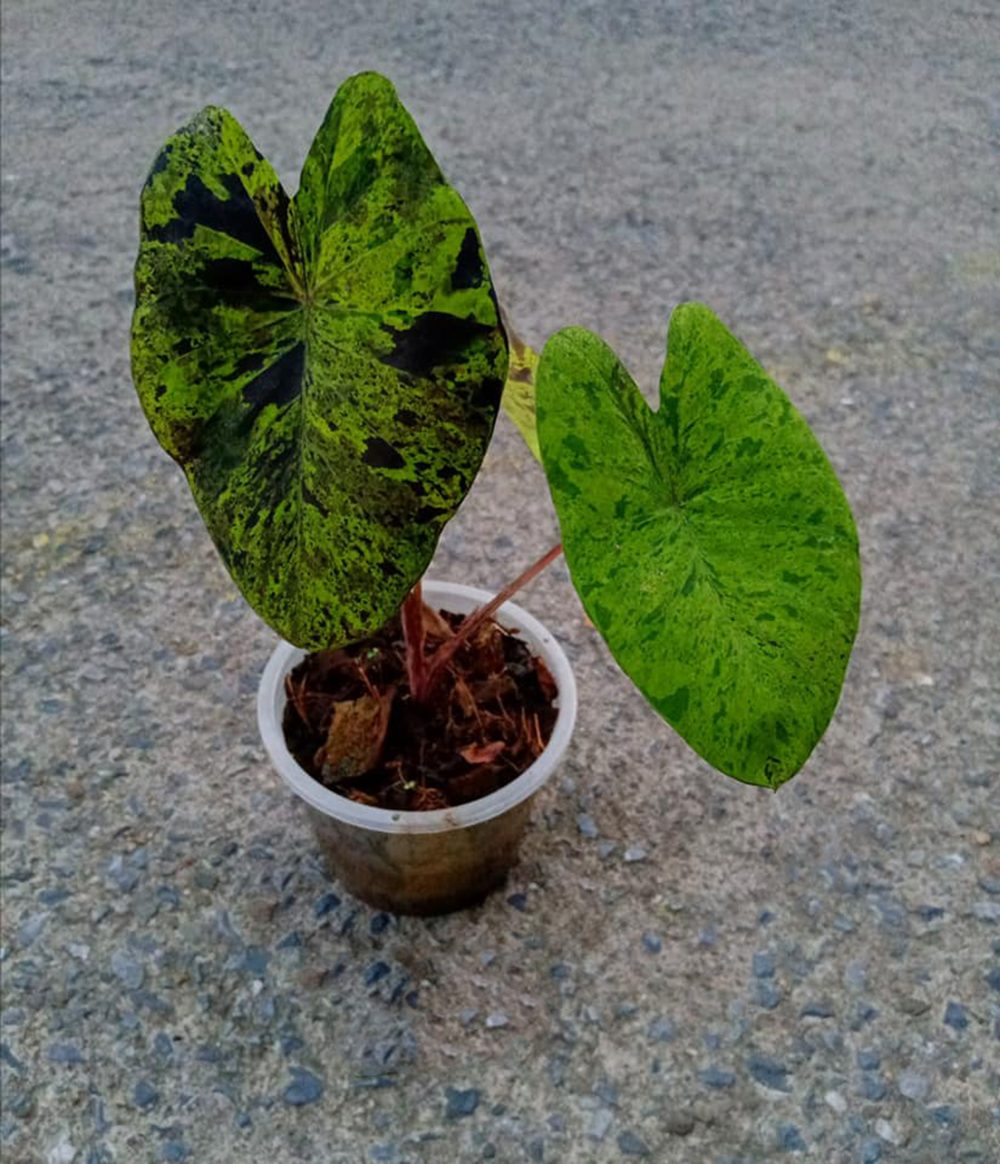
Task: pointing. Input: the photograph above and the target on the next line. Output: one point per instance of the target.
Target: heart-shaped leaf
(327, 371)
(710, 541)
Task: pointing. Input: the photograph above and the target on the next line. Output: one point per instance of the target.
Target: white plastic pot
(423, 862)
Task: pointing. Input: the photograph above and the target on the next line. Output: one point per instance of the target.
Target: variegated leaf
(327, 371)
(710, 541)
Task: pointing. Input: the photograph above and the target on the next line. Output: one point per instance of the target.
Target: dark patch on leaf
(428, 513)
(676, 703)
(160, 164)
(487, 394)
(381, 455)
(279, 384)
(249, 363)
(310, 498)
(469, 268)
(235, 282)
(196, 205)
(407, 417)
(433, 340)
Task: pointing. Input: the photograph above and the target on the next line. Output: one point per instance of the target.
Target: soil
(351, 723)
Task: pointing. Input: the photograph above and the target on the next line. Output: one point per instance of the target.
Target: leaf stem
(446, 651)
(412, 616)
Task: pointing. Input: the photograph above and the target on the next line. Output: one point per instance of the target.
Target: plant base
(422, 873)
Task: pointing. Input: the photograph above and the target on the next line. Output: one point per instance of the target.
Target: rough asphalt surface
(681, 969)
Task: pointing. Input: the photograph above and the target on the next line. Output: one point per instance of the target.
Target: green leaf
(327, 371)
(710, 541)
(519, 391)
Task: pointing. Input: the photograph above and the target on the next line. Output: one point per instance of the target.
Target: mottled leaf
(519, 391)
(327, 371)
(710, 541)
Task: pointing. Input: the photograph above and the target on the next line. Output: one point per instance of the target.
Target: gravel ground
(681, 969)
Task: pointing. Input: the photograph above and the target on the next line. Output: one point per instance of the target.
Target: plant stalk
(412, 616)
(439, 661)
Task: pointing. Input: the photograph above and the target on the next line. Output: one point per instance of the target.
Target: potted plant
(327, 370)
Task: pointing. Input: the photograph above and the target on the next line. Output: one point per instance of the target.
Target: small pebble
(145, 1095)
(326, 904)
(717, 1077)
(632, 854)
(661, 1030)
(836, 1101)
(868, 1059)
(587, 827)
(606, 848)
(956, 1016)
(379, 924)
(598, 1124)
(305, 1088)
(763, 964)
(768, 995)
(914, 1005)
(30, 928)
(679, 1123)
(913, 1085)
(468, 1015)
(255, 960)
(518, 901)
(768, 1072)
(460, 1102)
(816, 1009)
(872, 1087)
(944, 1116)
(376, 972)
(629, 1144)
(496, 1020)
(606, 1092)
(174, 1151)
(127, 969)
(871, 1152)
(885, 1131)
(65, 1053)
(790, 1138)
(124, 877)
(652, 942)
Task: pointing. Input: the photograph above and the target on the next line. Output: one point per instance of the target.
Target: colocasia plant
(327, 370)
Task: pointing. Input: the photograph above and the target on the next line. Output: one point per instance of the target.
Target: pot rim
(271, 705)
